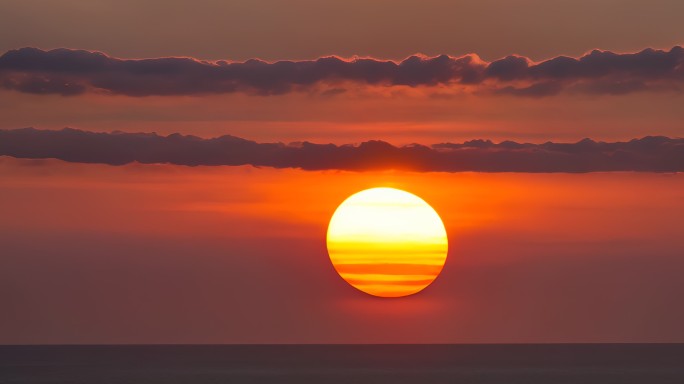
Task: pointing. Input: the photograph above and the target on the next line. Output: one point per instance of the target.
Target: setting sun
(387, 242)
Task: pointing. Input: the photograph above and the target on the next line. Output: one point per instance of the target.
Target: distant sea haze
(647, 154)
(473, 364)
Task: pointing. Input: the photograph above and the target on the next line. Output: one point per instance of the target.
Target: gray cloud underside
(73, 72)
(648, 154)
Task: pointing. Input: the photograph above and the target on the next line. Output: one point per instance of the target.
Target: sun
(387, 242)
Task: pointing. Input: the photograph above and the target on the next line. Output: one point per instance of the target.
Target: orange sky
(158, 253)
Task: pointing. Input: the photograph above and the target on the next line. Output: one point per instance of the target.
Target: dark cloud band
(72, 72)
(649, 154)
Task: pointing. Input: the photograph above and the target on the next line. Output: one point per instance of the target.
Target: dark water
(473, 364)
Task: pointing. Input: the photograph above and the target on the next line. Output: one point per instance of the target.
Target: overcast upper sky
(307, 29)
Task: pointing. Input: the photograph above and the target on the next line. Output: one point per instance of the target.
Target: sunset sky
(217, 233)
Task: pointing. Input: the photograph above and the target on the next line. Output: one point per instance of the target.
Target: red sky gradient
(172, 254)
(347, 119)
(158, 253)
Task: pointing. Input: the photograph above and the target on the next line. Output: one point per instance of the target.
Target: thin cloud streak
(70, 72)
(648, 154)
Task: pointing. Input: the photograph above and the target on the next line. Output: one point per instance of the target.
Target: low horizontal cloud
(72, 72)
(648, 154)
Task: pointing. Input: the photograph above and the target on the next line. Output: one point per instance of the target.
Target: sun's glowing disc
(387, 242)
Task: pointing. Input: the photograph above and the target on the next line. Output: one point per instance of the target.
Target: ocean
(471, 364)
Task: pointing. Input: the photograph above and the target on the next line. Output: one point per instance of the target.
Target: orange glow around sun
(387, 242)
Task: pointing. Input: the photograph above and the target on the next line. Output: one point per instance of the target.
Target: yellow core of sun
(387, 242)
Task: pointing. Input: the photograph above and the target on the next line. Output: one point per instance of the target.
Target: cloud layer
(72, 72)
(649, 154)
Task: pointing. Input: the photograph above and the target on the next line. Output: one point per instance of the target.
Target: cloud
(71, 72)
(540, 89)
(649, 154)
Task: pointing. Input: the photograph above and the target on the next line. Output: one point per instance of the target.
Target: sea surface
(199, 364)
